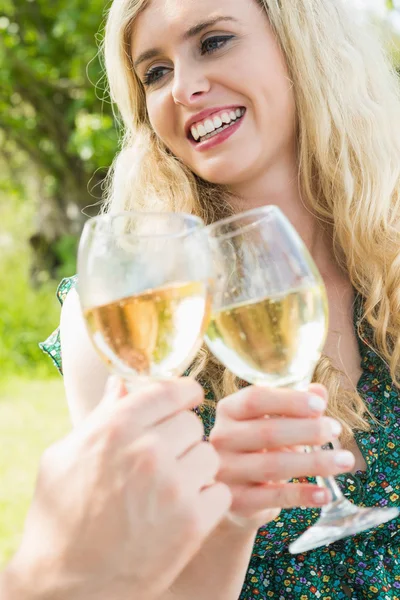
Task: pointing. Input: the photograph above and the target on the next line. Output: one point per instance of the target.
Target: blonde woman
(228, 106)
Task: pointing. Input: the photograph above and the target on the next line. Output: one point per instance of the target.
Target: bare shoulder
(85, 374)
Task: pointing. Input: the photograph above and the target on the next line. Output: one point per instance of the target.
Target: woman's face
(217, 89)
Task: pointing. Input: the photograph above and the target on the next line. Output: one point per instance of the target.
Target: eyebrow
(192, 32)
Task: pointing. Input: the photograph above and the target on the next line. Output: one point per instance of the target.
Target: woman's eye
(214, 43)
(154, 74)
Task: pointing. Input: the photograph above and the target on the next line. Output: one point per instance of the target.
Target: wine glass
(144, 288)
(268, 326)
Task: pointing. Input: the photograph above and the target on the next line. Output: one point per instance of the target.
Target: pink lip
(217, 139)
(207, 113)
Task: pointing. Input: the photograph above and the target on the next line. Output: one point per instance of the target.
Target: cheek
(287, 115)
(155, 117)
(276, 105)
(285, 106)
(270, 83)
(163, 120)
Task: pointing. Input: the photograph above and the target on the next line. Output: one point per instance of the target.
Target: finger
(254, 402)
(199, 466)
(271, 434)
(278, 466)
(106, 418)
(278, 495)
(319, 390)
(151, 479)
(214, 503)
(179, 433)
(115, 389)
(159, 401)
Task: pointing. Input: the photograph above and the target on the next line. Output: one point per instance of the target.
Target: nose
(190, 84)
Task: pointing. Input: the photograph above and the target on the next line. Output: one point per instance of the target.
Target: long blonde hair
(348, 109)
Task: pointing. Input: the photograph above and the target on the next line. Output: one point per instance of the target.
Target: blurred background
(57, 141)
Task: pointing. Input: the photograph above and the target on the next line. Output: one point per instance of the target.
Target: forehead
(171, 18)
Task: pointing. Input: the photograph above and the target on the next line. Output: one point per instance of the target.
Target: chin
(223, 173)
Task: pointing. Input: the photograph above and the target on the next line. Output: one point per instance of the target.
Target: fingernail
(320, 497)
(316, 404)
(344, 459)
(336, 428)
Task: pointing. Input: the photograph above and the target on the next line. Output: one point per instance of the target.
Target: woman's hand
(124, 502)
(260, 436)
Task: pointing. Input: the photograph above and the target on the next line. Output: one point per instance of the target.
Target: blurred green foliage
(53, 99)
(27, 314)
(58, 138)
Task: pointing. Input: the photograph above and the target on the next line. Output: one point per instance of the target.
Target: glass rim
(267, 211)
(109, 217)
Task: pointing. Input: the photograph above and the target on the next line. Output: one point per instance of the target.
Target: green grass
(33, 414)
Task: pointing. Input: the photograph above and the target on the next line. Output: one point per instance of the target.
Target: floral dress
(365, 566)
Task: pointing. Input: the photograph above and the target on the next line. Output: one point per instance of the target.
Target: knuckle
(301, 496)
(297, 404)
(192, 386)
(227, 469)
(148, 457)
(240, 497)
(113, 431)
(223, 494)
(319, 463)
(323, 464)
(219, 437)
(196, 390)
(173, 492)
(175, 393)
(269, 433)
(214, 455)
(320, 390)
(166, 390)
(210, 457)
(322, 431)
(193, 423)
(272, 467)
(223, 406)
(291, 496)
(127, 411)
(252, 397)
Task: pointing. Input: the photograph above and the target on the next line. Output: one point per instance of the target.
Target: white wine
(154, 334)
(274, 341)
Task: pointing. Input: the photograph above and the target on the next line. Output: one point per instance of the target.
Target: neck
(280, 187)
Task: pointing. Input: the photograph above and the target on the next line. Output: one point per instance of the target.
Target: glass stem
(328, 483)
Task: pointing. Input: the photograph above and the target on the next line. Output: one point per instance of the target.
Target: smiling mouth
(215, 124)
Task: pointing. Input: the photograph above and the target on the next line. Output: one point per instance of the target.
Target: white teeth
(209, 125)
(201, 129)
(195, 133)
(210, 135)
(217, 122)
